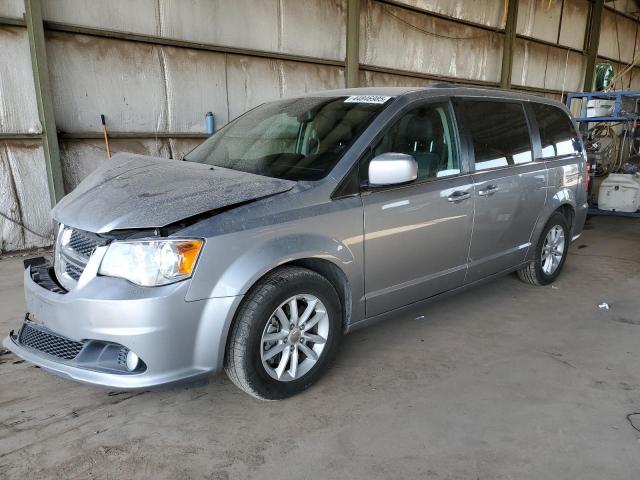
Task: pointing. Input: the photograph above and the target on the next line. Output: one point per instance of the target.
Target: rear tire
(550, 254)
(271, 333)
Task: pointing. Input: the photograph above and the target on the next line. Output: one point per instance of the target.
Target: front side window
(426, 133)
(295, 139)
(499, 133)
(557, 135)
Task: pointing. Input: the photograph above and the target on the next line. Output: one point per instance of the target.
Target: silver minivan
(295, 223)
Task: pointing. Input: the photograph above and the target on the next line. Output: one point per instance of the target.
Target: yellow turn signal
(188, 252)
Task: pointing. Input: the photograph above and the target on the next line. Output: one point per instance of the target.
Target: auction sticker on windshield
(367, 99)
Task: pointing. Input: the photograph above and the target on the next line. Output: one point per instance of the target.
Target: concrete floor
(506, 381)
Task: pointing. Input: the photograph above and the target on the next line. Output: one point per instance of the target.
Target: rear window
(557, 135)
(499, 132)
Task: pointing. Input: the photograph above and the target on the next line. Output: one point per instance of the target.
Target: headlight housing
(151, 263)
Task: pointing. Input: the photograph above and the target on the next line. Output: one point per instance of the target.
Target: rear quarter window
(557, 135)
(499, 132)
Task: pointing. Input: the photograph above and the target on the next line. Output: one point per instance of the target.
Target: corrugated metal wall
(24, 196)
(396, 38)
(155, 67)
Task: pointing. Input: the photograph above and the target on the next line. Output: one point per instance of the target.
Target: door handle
(458, 196)
(488, 191)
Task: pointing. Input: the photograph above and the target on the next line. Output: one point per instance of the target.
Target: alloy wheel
(553, 250)
(294, 337)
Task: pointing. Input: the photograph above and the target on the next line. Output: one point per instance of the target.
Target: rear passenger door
(509, 186)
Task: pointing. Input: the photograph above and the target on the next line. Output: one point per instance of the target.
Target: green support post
(509, 40)
(352, 74)
(35, 29)
(593, 41)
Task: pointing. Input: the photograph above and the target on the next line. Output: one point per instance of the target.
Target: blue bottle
(210, 122)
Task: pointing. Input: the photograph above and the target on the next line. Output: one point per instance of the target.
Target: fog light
(132, 361)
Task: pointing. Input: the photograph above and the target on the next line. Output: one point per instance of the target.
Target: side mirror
(392, 169)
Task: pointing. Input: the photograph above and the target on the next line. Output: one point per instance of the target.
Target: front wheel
(285, 334)
(551, 253)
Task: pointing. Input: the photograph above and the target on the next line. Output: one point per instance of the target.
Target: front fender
(254, 263)
(239, 275)
(234, 259)
(245, 271)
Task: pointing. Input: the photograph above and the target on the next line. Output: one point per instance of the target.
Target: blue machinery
(625, 109)
(622, 99)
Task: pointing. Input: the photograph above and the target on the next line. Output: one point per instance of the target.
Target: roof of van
(450, 88)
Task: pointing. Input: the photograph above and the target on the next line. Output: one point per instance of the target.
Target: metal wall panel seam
(128, 135)
(12, 22)
(458, 80)
(170, 42)
(20, 136)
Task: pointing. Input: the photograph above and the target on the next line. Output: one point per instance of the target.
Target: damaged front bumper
(85, 334)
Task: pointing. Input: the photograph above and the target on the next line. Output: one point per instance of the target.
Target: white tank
(620, 192)
(600, 108)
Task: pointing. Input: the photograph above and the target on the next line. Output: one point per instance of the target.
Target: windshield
(296, 139)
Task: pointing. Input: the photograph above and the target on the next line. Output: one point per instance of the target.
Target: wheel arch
(336, 276)
(569, 213)
(563, 205)
(338, 261)
(322, 266)
(328, 269)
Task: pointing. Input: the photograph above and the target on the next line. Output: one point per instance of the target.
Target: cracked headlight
(151, 263)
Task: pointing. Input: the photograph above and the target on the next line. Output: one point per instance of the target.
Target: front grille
(48, 343)
(82, 244)
(73, 271)
(72, 253)
(122, 356)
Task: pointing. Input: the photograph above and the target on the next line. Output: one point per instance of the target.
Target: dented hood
(136, 191)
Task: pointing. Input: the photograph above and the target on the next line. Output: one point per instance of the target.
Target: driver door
(417, 235)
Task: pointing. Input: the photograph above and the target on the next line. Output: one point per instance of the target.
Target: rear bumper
(176, 339)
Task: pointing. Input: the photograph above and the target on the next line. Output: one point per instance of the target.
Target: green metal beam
(131, 135)
(20, 136)
(11, 22)
(35, 30)
(352, 63)
(172, 42)
(447, 79)
(593, 41)
(509, 40)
